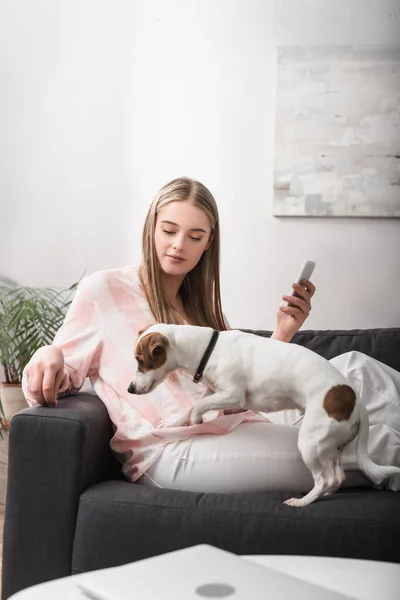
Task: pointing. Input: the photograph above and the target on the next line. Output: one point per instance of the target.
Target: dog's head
(153, 360)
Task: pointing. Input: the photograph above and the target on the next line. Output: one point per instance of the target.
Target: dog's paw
(378, 486)
(196, 418)
(168, 423)
(294, 502)
(174, 422)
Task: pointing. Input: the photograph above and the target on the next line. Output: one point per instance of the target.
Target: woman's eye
(168, 232)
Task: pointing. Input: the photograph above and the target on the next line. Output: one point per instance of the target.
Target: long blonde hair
(200, 290)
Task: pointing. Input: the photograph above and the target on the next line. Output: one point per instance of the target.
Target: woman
(178, 282)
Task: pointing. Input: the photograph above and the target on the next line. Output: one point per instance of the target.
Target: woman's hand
(45, 373)
(291, 318)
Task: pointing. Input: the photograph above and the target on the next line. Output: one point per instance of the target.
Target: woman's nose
(178, 243)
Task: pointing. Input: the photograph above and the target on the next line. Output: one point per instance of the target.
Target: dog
(249, 372)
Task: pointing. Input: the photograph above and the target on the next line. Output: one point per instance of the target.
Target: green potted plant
(29, 319)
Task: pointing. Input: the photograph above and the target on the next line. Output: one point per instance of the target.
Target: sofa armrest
(54, 454)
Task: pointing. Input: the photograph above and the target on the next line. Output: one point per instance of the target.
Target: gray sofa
(70, 510)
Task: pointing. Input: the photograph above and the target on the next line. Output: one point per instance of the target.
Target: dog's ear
(158, 345)
(145, 328)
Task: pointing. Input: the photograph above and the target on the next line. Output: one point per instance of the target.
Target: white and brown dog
(242, 370)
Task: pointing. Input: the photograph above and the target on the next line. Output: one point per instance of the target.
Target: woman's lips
(175, 259)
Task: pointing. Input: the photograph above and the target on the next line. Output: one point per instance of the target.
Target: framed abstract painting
(337, 151)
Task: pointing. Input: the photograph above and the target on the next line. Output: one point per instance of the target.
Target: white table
(360, 579)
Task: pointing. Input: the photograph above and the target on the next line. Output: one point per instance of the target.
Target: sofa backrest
(382, 344)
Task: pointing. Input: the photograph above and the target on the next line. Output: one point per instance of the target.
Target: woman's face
(181, 236)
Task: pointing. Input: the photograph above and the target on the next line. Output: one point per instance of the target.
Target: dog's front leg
(214, 401)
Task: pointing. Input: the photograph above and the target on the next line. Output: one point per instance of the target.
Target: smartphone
(306, 270)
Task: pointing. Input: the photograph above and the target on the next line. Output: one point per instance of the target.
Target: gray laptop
(196, 573)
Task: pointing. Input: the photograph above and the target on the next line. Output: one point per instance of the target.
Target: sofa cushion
(120, 522)
(382, 344)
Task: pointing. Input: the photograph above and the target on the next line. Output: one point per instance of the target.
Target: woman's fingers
(45, 373)
(35, 380)
(309, 286)
(57, 383)
(302, 293)
(297, 302)
(293, 310)
(48, 386)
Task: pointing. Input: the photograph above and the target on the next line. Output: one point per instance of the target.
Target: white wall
(102, 102)
(64, 143)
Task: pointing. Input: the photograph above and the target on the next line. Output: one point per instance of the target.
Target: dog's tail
(376, 473)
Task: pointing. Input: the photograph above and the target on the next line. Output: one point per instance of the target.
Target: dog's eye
(140, 361)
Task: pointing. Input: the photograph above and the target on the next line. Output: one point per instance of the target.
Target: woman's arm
(79, 338)
(280, 335)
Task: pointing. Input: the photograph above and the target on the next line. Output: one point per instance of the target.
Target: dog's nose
(131, 388)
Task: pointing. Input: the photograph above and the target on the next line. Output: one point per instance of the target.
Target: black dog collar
(206, 356)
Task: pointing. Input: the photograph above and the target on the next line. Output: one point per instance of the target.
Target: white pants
(264, 456)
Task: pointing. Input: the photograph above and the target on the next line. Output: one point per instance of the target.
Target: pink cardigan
(97, 339)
